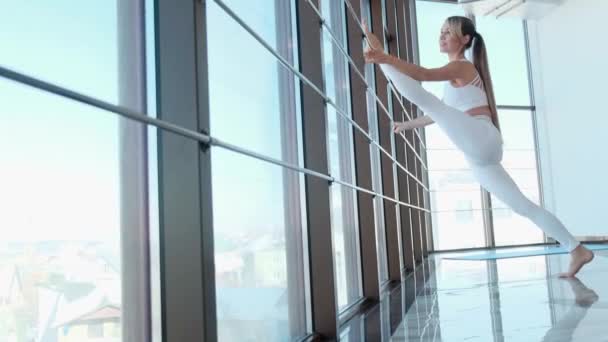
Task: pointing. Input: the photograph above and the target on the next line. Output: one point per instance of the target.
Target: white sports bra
(469, 96)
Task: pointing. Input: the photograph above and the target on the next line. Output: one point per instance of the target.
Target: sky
(58, 159)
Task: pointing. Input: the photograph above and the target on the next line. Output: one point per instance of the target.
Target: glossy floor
(519, 299)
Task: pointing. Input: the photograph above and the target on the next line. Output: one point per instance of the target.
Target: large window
(257, 207)
(64, 220)
(457, 200)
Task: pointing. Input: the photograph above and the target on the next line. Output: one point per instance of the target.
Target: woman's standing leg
(495, 179)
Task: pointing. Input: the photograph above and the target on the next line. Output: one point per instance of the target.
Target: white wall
(569, 49)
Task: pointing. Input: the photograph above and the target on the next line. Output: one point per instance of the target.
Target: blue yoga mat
(518, 252)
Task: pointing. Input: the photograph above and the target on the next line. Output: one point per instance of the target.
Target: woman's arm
(422, 121)
(450, 71)
(416, 123)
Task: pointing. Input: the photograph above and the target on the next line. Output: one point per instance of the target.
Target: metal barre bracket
(205, 145)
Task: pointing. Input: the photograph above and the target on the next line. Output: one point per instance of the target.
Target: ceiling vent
(523, 9)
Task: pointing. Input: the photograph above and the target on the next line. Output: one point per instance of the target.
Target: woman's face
(449, 42)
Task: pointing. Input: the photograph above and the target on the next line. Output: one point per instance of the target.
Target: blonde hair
(463, 26)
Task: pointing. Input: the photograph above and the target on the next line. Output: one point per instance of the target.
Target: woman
(468, 117)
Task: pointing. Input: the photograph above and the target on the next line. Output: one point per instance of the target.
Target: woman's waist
(484, 116)
(480, 110)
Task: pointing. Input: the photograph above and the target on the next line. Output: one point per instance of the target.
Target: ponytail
(465, 26)
(480, 60)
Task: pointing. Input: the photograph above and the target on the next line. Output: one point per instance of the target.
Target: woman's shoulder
(466, 72)
(463, 64)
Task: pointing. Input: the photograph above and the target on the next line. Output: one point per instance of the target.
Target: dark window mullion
(185, 208)
(363, 165)
(394, 273)
(318, 211)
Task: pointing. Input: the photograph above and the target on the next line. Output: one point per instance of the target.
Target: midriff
(483, 110)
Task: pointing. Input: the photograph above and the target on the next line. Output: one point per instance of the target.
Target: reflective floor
(519, 299)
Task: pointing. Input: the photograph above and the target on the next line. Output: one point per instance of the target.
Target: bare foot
(579, 257)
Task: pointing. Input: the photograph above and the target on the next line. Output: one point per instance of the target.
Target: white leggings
(481, 143)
